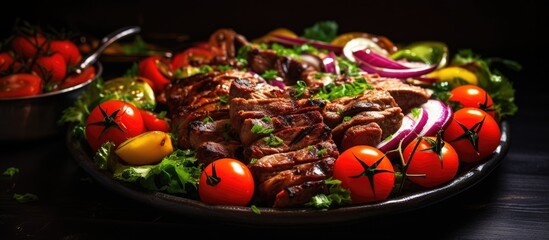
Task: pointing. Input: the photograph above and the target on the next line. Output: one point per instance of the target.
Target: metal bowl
(36, 117)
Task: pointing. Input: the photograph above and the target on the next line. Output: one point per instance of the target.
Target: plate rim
(292, 216)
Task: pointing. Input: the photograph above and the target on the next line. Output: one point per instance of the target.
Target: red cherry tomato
(75, 79)
(114, 121)
(20, 85)
(473, 96)
(195, 55)
(153, 122)
(68, 50)
(51, 68)
(425, 160)
(473, 134)
(150, 68)
(28, 46)
(6, 61)
(226, 181)
(366, 172)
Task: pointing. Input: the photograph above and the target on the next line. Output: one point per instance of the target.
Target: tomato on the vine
(6, 61)
(473, 96)
(195, 55)
(430, 161)
(473, 133)
(226, 181)
(51, 68)
(75, 78)
(114, 121)
(67, 49)
(28, 46)
(155, 70)
(153, 122)
(20, 85)
(366, 172)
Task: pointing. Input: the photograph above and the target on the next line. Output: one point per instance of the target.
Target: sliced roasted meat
(201, 88)
(368, 134)
(318, 170)
(209, 131)
(255, 128)
(282, 161)
(241, 109)
(288, 68)
(297, 195)
(225, 42)
(207, 152)
(388, 120)
(370, 100)
(287, 140)
(253, 88)
(407, 96)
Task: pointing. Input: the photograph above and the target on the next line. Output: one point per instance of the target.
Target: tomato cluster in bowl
(33, 62)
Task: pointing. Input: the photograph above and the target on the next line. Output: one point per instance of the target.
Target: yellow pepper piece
(146, 148)
(279, 31)
(455, 76)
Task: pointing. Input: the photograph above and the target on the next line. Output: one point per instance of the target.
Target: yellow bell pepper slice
(454, 75)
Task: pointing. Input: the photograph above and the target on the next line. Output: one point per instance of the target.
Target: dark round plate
(303, 216)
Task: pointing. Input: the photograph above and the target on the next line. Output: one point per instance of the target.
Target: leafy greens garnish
(491, 79)
(324, 31)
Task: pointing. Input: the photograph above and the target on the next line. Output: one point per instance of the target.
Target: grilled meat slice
(241, 109)
(275, 124)
(283, 161)
(369, 134)
(407, 96)
(201, 88)
(253, 88)
(216, 131)
(225, 43)
(318, 170)
(182, 119)
(208, 152)
(297, 195)
(389, 120)
(287, 140)
(288, 68)
(370, 100)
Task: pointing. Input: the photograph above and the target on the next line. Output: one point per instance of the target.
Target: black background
(515, 208)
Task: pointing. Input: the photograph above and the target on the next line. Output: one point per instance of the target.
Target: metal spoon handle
(105, 42)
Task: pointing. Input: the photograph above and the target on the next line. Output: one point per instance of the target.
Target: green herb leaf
(333, 91)
(267, 119)
(324, 31)
(347, 118)
(207, 119)
(11, 171)
(273, 140)
(25, 198)
(174, 174)
(321, 152)
(269, 74)
(336, 196)
(223, 99)
(255, 209)
(300, 88)
(258, 129)
(253, 161)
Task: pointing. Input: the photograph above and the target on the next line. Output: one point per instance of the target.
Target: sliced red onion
(392, 142)
(361, 44)
(278, 83)
(440, 115)
(411, 126)
(397, 73)
(299, 41)
(367, 56)
(330, 63)
(421, 117)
